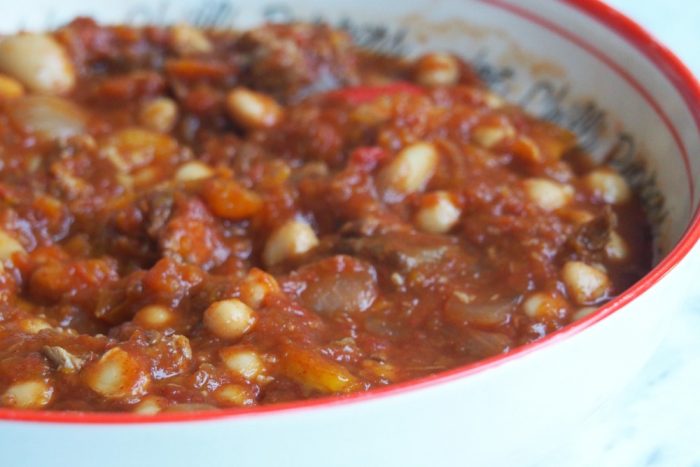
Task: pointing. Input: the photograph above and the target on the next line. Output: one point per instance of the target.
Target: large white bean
(438, 213)
(292, 239)
(608, 185)
(547, 194)
(410, 171)
(38, 61)
(243, 362)
(256, 285)
(437, 69)
(159, 114)
(116, 375)
(544, 305)
(252, 110)
(586, 284)
(188, 40)
(193, 170)
(616, 248)
(33, 394)
(234, 395)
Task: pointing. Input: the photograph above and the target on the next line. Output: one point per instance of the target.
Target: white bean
(252, 110)
(243, 362)
(154, 317)
(9, 246)
(616, 249)
(234, 395)
(410, 171)
(544, 305)
(256, 285)
(437, 69)
(586, 284)
(33, 394)
(229, 319)
(151, 405)
(489, 135)
(193, 170)
(608, 186)
(188, 40)
(159, 114)
(292, 239)
(439, 213)
(38, 61)
(547, 194)
(116, 375)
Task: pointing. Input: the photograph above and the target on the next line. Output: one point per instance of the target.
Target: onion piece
(48, 117)
(460, 309)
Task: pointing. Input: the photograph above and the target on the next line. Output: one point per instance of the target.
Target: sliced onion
(339, 285)
(459, 309)
(48, 117)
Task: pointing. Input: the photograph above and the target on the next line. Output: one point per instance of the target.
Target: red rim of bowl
(684, 82)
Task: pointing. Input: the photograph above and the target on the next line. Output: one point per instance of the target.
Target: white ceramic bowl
(575, 61)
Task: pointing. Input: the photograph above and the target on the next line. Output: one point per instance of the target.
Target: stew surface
(193, 219)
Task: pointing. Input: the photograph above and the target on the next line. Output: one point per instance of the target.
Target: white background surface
(656, 421)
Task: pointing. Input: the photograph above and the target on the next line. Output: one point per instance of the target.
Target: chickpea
(252, 110)
(544, 305)
(9, 246)
(193, 170)
(439, 213)
(437, 69)
(154, 317)
(234, 395)
(243, 362)
(410, 171)
(38, 61)
(293, 238)
(229, 319)
(547, 194)
(608, 186)
(10, 88)
(256, 285)
(116, 375)
(188, 40)
(585, 283)
(33, 394)
(159, 114)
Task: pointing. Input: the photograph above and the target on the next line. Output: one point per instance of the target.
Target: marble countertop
(656, 419)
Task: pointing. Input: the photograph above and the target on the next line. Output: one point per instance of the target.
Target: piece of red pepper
(363, 94)
(367, 157)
